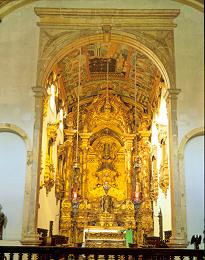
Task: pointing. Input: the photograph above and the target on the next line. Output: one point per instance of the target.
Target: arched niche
(16, 157)
(197, 132)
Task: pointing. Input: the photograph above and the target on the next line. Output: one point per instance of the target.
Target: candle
(75, 195)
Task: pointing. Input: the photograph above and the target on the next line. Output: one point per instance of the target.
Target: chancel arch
(65, 44)
(98, 92)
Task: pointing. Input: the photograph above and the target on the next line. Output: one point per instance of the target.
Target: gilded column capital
(69, 133)
(145, 134)
(171, 93)
(85, 138)
(128, 138)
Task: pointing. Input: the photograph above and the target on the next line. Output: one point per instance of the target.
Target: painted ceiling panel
(112, 66)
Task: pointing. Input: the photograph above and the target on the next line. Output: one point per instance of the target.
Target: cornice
(95, 18)
(8, 6)
(136, 13)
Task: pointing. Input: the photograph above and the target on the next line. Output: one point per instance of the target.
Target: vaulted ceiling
(113, 67)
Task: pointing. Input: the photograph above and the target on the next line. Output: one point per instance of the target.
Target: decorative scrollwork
(164, 170)
(52, 131)
(154, 190)
(49, 171)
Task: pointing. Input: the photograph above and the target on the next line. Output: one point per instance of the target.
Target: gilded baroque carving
(164, 170)
(105, 154)
(60, 172)
(49, 169)
(45, 105)
(52, 131)
(154, 190)
(145, 223)
(107, 121)
(145, 216)
(65, 223)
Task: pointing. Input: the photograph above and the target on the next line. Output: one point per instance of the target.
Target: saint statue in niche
(106, 204)
(107, 156)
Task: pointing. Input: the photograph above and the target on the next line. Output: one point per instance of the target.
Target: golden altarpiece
(105, 175)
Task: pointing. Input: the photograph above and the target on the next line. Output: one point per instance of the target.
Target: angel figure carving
(196, 240)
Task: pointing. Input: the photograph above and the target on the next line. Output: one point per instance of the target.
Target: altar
(100, 237)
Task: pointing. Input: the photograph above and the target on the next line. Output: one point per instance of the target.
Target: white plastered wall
(49, 207)
(12, 183)
(163, 201)
(194, 179)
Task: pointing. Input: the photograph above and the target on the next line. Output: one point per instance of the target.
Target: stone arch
(65, 43)
(55, 46)
(11, 128)
(7, 127)
(187, 137)
(193, 133)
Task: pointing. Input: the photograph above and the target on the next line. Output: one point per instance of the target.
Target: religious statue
(108, 152)
(196, 240)
(107, 204)
(3, 222)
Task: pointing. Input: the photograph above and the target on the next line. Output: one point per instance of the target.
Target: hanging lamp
(107, 104)
(137, 196)
(76, 166)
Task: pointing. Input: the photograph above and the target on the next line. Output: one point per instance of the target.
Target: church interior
(103, 114)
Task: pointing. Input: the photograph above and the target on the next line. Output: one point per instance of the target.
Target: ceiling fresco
(113, 66)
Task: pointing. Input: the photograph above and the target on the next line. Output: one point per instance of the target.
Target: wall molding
(11, 128)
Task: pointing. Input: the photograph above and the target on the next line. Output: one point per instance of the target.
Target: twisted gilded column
(178, 227)
(30, 220)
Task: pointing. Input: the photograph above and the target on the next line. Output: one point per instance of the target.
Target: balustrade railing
(69, 253)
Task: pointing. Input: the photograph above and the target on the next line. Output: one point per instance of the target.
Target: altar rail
(60, 252)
